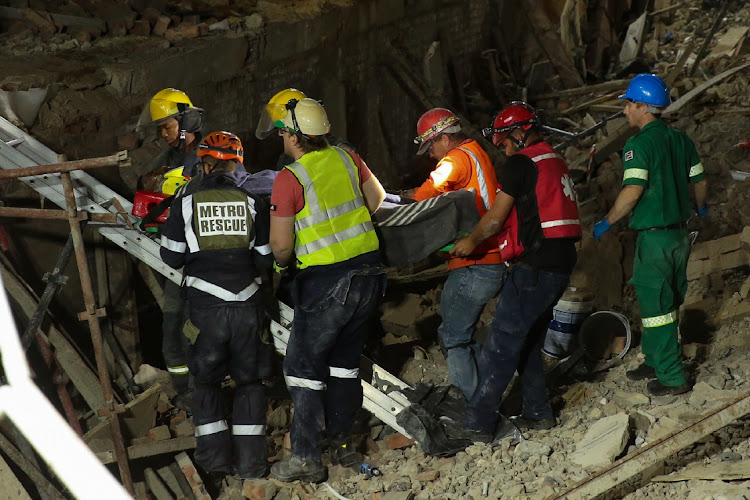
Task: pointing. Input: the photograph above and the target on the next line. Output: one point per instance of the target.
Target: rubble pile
(699, 48)
(46, 27)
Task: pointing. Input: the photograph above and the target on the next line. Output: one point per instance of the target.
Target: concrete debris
(603, 442)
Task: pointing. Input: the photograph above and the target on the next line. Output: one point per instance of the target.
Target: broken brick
(428, 475)
(141, 28)
(44, 25)
(117, 27)
(184, 429)
(151, 15)
(161, 25)
(398, 441)
(159, 433)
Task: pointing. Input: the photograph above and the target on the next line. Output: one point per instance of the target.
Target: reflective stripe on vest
(562, 222)
(325, 235)
(305, 383)
(222, 293)
(343, 372)
(187, 215)
(249, 430)
(480, 178)
(211, 428)
(174, 246)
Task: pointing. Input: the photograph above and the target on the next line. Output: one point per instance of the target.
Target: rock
(526, 449)
(704, 395)
(603, 442)
(662, 428)
(254, 21)
(159, 433)
(642, 420)
(259, 489)
(428, 475)
(399, 441)
(184, 429)
(628, 399)
(277, 418)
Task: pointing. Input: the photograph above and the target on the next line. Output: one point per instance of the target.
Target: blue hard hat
(648, 89)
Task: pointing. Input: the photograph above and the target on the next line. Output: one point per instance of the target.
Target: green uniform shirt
(664, 161)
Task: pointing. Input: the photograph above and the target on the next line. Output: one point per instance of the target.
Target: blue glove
(702, 211)
(600, 228)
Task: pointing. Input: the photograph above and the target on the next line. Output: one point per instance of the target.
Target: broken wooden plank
(680, 64)
(709, 37)
(43, 484)
(14, 14)
(12, 487)
(589, 103)
(679, 103)
(633, 43)
(138, 416)
(155, 485)
(151, 449)
(551, 44)
(722, 471)
(586, 89)
(638, 461)
(81, 375)
(191, 473)
(168, 476)
(182, 481)
(730, 43)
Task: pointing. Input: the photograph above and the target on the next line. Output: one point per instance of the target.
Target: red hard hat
(433, 123)
(517, 114)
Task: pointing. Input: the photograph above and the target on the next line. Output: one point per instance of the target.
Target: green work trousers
(660, 280)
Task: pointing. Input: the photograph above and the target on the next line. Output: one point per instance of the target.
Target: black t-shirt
(517, 177)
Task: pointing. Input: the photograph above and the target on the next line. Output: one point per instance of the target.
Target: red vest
(555, 203)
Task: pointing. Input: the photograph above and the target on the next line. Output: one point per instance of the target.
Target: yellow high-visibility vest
(334, 225)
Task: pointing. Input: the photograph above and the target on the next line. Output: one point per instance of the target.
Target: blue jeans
(333, 316)
(514, 343)
(467, 290)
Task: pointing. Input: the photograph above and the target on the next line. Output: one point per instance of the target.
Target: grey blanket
(411, 232)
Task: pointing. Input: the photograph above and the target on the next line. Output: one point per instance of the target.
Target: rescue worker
(276, 108)
(536, 215)
(219, 233)
(660, 163)
(178, 123)
(472, 280)
(320, 218)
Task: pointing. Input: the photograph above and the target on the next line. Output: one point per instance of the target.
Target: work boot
(643, 372)
(528, 424)
(656, 388)
(456, 430)
(299, 469)
(343, 453)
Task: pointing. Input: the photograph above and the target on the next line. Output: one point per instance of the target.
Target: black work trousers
(228, 344)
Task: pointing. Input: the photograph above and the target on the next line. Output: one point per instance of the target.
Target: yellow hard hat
(167, 103)
(306, 116)
(173, 180)
(274, 110)
(170, 103)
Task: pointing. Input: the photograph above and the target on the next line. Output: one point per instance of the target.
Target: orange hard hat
(222, 146)
(433, 123)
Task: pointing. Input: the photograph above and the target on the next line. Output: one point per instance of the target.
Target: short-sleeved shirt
(288, 196)
(664, 161)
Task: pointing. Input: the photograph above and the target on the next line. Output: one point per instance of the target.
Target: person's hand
(600, 228)
(463, 247)
(702, 211)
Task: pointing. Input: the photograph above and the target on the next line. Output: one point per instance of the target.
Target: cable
(335, 493)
